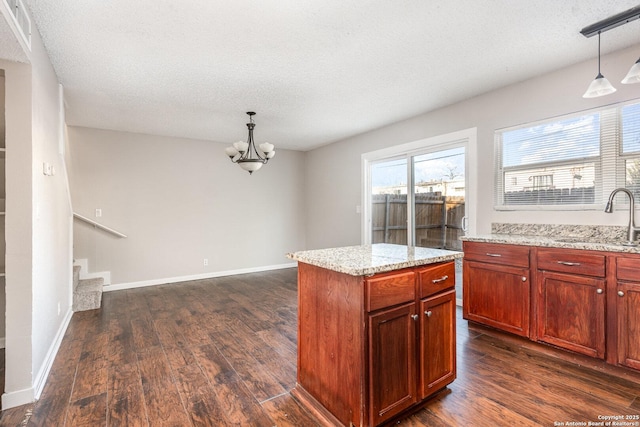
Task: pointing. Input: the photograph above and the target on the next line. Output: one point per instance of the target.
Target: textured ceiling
(315, 71)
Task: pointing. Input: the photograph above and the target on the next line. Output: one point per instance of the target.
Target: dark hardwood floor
(223, 352)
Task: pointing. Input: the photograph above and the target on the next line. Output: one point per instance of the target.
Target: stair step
(88, 294)
(76, 276)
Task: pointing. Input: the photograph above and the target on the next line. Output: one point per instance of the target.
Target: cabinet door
(571, 312)
(497, 295)
(628, 305)
(392, 362)
(437, 342)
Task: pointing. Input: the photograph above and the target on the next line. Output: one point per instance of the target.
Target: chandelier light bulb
(231, 151)
(241, 146)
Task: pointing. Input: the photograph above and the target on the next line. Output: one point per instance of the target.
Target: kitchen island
(376, 331)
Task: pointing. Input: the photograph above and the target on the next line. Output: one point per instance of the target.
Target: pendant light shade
(600, 86)
(633, 76)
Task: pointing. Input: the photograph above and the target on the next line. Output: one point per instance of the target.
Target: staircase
(87, 293)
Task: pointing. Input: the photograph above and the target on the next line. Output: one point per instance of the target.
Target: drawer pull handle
(414, 316)
(428, 313)
(570, 264)
(620, 293)
(599, 291)
(442, 279)
(494, 255)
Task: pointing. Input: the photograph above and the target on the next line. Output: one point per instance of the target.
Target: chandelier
(246, 154)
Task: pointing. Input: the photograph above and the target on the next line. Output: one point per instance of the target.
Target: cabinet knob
(620, 293)
(414, 316)
(428, 313)
(524, 279)
(599, 291)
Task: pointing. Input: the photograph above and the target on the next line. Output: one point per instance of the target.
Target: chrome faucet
(632, 231)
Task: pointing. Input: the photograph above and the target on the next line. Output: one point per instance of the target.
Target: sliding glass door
(438, 198)
(419, 198)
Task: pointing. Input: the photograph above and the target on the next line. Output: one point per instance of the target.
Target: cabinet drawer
(567, 261)
(495, 253)
(436, 278)
(628, 268)
(386, 290)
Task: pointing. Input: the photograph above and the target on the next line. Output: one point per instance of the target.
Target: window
(571, 162)
(631, 147)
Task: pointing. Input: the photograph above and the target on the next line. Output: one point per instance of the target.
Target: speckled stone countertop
(593, 238)
(365, 260)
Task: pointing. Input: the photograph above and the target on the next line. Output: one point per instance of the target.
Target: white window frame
(466, 138)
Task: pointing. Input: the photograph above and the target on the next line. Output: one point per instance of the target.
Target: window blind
(569, 162)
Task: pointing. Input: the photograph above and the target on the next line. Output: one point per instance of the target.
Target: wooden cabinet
(372, 348)
(412, 346)
(571, 300)
(437, 342)
(496, 290)
(583, 301)
(392, 364)
(627, 297)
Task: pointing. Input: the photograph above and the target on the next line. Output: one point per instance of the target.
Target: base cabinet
(627, 305)
(372, 348)
(437, 342)
(584, 301)
(496, 290)
(572, 300)
(572, 313)
(392, 362)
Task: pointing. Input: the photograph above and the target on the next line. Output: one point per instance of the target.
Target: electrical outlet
(98, 213)
(206, 261)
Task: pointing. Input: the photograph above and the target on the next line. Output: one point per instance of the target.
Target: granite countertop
(365, 260)
(593, 238)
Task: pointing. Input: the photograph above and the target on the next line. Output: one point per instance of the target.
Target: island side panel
(331, 330)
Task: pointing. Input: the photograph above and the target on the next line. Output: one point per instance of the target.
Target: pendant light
(600, 86)
(246, 155)
(633, 76)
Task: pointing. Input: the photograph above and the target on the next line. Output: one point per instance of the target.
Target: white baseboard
(17, 398)
(164, 281)
(43, 373)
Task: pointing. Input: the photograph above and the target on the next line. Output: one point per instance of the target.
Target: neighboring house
(180, 201)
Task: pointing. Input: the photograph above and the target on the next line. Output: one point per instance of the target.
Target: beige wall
(51, 215)
(180, 201)
(18, 223)
(334, 171)
(38, 226)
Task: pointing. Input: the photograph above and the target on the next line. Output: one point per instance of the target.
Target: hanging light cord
(599, 73)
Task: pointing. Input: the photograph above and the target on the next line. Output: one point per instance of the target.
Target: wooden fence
(438, 220)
